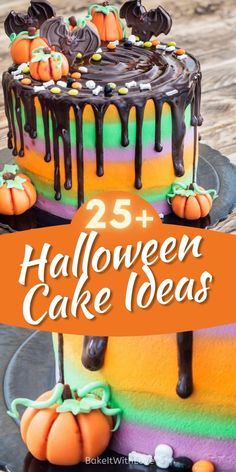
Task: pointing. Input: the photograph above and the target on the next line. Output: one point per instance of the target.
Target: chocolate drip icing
(158, 69)
(79, 153)
(139, 145)
(158, 111)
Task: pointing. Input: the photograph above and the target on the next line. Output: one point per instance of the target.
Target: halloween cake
(91, 107)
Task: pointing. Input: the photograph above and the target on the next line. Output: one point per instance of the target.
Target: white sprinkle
(171, 92)
(99, 51)
(139, 43)
(18, 77)
(131, 84)
(170, 49)
(116, 43)
(49, 83)
(22, 66)
(183, 56)
(38, 88)
(161, 46)
(139, 458)
(15, 72)
(161, 216)
(90, 84)
(97, 90)
(132, 38)
(83, 70)
(61, 84)
(145, 86)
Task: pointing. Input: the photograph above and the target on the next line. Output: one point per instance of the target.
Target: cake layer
(142, 372)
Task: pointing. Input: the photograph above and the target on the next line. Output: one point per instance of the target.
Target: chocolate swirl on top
(172, 81)
(38, 12)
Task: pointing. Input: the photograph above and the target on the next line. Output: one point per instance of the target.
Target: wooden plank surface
(205, 28)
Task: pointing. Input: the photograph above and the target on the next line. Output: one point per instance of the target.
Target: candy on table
(76, 85)
(148, 44)
(97, 90)
(180, 52)
(111, 46)
(131, 84)
(90, 84)
(61, 84)
(97, 57)
(203, 466)
(79, 55)
(139, 458)
(55, 90)
(83, 69)
(26, 81)
(155, 42)
(163, 456)
(182, 464)
(49, 83)
(76, 75)
(73, 92)
(171, 43)
(123, 91)
(145, 87)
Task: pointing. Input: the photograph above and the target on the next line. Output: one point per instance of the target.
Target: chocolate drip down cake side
(90, 108)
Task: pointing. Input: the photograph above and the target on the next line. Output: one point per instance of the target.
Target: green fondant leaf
(187, 191)
(22, 35)
(12, 168)
(102, 9)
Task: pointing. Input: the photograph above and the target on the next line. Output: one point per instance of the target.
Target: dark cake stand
(214, 171)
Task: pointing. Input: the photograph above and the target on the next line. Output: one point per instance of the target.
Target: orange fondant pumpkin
(24, 44)
(106, 19)
(17, 193)
(62, 438)
(191, 202)
(48, 65)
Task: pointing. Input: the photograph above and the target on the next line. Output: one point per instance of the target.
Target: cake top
(93, 57)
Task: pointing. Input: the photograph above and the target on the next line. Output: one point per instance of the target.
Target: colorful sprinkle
(26, 70)
(155, 42)
(137, 38)
(111, 46)
(123, 91)
(26, 81)
(148, 44)
(76, 85)
(79, 55)
(73, 92)
(97, 57)
(55, 90)
(76, 75)
(180, 52)
(171, 43)
(112, 85)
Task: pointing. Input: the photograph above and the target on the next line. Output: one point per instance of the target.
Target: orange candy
(76, 75)
(155, 42)
(76, 85)
(203, 466)
(111, 46)
(26, 81)
(180, 52)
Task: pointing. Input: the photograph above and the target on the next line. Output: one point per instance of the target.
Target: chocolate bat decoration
(38, 12)
(145, 24)
(84, 40)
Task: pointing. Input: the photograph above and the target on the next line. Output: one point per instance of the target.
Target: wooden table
(208, 31)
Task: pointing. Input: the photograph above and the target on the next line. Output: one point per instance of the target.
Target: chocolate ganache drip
(172, 80)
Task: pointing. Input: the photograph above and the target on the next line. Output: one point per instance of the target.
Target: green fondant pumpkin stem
(189, 191)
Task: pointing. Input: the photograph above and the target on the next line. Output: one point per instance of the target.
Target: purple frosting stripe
(134, 437)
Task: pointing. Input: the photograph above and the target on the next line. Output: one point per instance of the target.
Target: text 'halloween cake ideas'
(91, 108)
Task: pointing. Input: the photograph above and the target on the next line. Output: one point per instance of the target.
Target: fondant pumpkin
(48, 65)
(17, 193)
(66, 429)
(106, 19)
(192, 202)
(23, 45)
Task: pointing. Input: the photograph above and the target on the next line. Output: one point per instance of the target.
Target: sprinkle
(161, 47)
(115, 42)
(111, 46)
(39, 88)
(139, 458)
(73, 92)
(180, 52)
(83, 70)
(155, 42)
(132, 38)
(79, 55)
(26, 70)
(97, 90)
(171, 92)
(171, 43)
(145, 87)
(49, 83)
(22, 66)
(123, 91)
(76, 75)
(55, 90)
(139, 43)
(148, 44)
(61, 83)
(99, 50)
(137, 38)
(90, 84)
(76, 85)
(18, 77)
(112, 85)
(26, 82)
(184, 56)
(131, 84)
(170, 49)
(15, 72)
(97, 57)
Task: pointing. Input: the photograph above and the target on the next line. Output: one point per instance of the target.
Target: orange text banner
(117, 270)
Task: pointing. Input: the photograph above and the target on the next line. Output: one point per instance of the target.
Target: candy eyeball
(163, 456)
